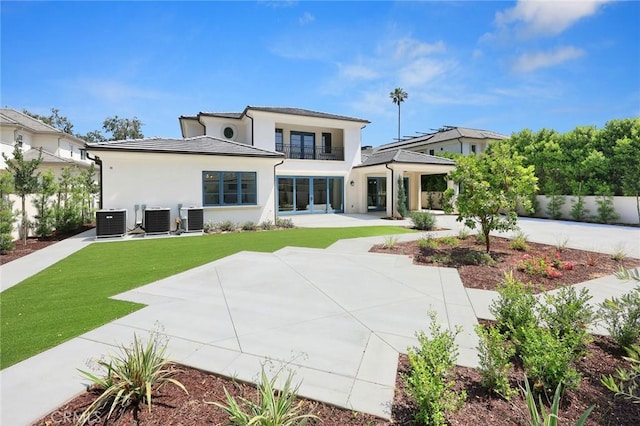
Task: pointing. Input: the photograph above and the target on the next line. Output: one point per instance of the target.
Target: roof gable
(404, 156)
(9, 116)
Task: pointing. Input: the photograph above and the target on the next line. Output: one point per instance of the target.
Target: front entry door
(376, 194)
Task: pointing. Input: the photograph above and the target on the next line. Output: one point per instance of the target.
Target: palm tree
(397, 97)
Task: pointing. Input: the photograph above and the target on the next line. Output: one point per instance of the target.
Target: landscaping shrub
(568, 315)
(390, 242)
(495, 353)
(515, 307)
(429, 381)
(7, 215)
(627, 274)
(249, 226)
(423, 221)
(477, 258)
(554, 208)
(547, 360)
(578, 210)
(626, 383)
(450, 241)
(519, 242)
(273, 408)
(618, 253)
(426, 242)
(463, 234)
(606, 211)
(209, 227)
(284, 223)
(130, 377)
(621, 317)
(402, 198)
(266, 225)
(227, 226)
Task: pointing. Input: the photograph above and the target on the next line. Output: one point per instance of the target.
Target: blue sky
(501, 66)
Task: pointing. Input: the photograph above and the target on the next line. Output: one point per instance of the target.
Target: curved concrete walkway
(337, 317)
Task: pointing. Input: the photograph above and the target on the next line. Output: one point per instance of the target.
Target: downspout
(247, 115)
(392, 186)
(98, 161)
(275, 187)
(460, 146)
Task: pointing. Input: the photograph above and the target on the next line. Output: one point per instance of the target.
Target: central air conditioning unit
(157, 220)
(111, 223)
(192, 219)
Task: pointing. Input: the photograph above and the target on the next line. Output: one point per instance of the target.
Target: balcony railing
(335, 153)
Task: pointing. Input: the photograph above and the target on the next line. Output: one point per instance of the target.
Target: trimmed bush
(515, 308)
(423, 221)
(621, 317)
(429, 381)
(495, 353)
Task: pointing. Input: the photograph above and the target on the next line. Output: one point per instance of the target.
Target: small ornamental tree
(44, 204)
(492, 185)
(25, 180)
(402, 198)
(7, 216)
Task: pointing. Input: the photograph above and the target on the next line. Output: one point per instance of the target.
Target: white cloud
(544, 17)
(307, 18)
(411, 48)
(358, 72)
(535, 60)
(421, 70)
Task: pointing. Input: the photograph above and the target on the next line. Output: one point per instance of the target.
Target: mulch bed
(586, 265)
(34, 244)
(171, 406)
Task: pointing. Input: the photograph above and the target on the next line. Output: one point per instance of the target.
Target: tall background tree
(397, 97)
(115, 128)
(25, 181)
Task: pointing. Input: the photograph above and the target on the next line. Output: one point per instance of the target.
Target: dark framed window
(431, 152)
(229, 188)
(279, 140)
(303, 145)
(326, 143)
(473, 149)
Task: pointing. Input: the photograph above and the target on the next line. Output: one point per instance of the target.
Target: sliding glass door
(302, 194)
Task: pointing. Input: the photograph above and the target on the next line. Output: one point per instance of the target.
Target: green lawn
(72, 296)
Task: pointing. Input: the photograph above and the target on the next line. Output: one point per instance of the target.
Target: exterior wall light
(352, 183)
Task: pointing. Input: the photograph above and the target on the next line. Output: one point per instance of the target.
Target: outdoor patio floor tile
(372, 398)
(379, 362)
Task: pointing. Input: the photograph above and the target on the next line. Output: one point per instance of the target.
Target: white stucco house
(59, 149)
(258, 164)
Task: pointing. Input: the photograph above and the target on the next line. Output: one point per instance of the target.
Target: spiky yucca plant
(130, 377)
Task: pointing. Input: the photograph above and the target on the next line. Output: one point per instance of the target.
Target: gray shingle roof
(48, 158)
(10, 116)
(448, 133)
(206, 145)
(304, 112)
(278, 110)
(403, 156)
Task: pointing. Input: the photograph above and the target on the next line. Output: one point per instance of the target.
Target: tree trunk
(24, 220)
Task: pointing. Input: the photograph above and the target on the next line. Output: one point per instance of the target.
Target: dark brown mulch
(173, 407)
(34, 244)
(586, 265)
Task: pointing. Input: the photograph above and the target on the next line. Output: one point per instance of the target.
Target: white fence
(625, 207)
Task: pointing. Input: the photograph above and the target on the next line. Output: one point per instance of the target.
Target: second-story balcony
(335, 153)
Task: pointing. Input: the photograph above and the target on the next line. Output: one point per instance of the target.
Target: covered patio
(379, 173)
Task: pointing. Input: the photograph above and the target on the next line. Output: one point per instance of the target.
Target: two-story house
(57, 149)
(257, 164)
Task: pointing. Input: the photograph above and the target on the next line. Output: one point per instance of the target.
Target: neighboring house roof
(48, 158)
(10, 116)
(445, 134)
(206, 145)
(404, 156)
(277, 110)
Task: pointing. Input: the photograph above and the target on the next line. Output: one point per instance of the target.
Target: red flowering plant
(543, 265)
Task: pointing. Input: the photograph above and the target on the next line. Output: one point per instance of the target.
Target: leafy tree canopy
(492, 186)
